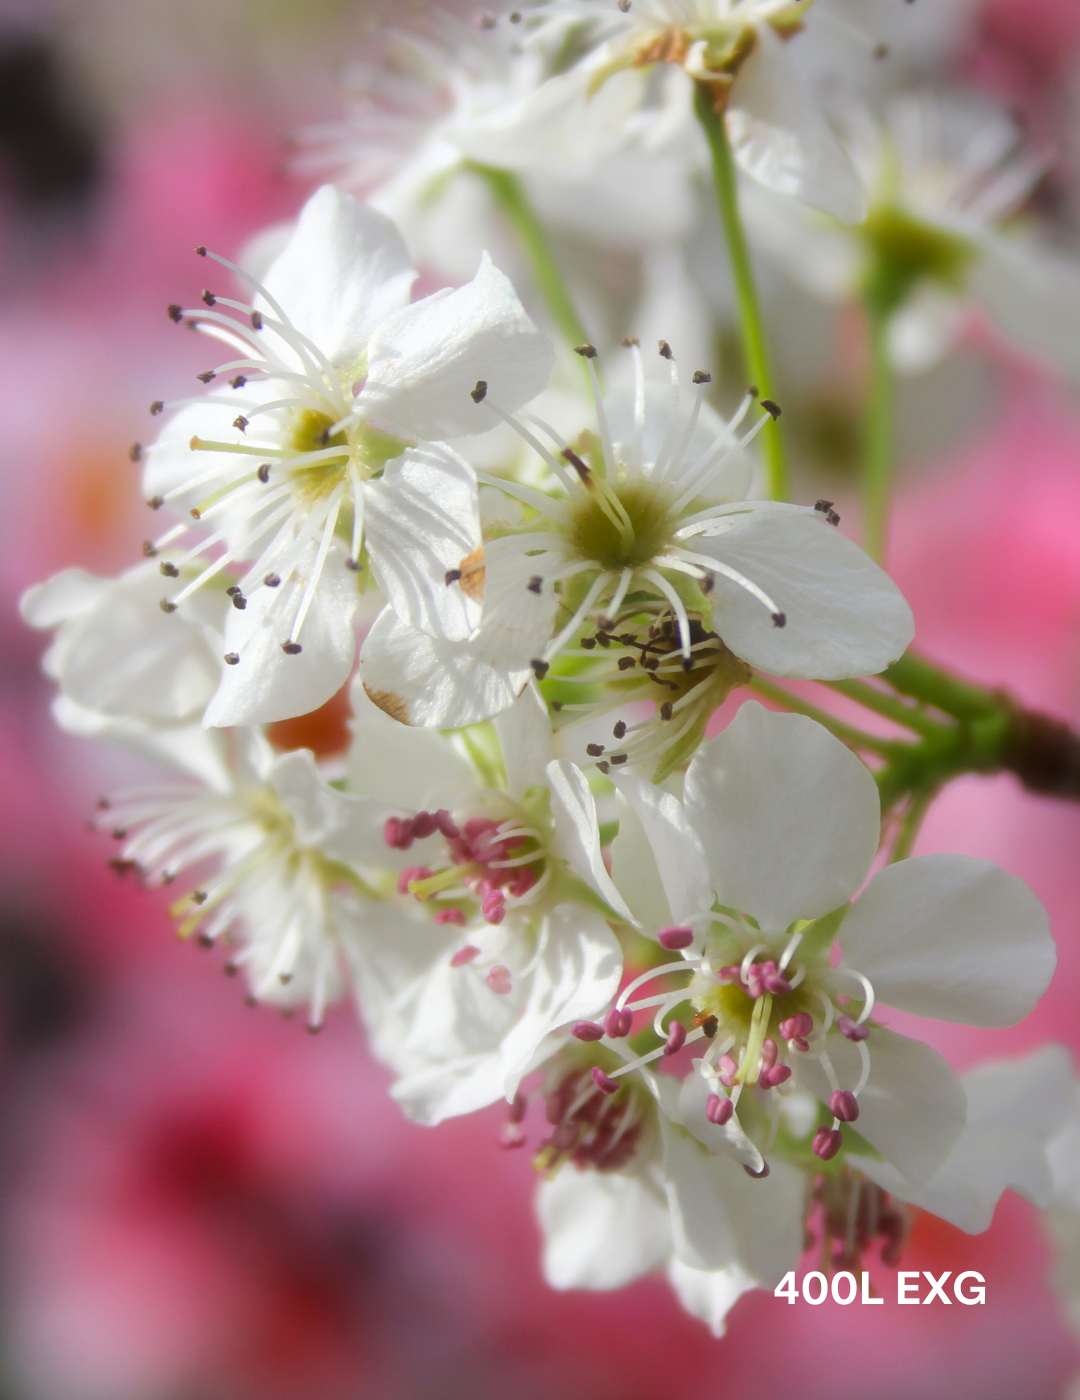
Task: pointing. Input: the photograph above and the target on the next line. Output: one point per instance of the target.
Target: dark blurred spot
(40, 1000)
(50, 157)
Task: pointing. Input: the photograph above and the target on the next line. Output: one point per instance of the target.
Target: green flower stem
(878, 448)
(855, 738)
(888, 706)
(755, 346)
(922, 680)
(910, 824)
(510, 196)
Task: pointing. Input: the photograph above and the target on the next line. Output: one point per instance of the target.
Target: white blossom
(752, 874)
(322, 446)
(647, 520)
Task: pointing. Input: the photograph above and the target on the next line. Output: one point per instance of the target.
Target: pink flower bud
(827, 1142)
(844, 1105)
(675, 938)
(587, 1030)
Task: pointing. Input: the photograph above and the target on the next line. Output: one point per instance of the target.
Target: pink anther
(718, 1109)
(423, 824)
(587, 1030)
(617, 1022)
(464, 955)
(731, 973)
(675, 937)
(411, 872)
(797, 1027)
(603, 1082)
(397, 833)
(854, 1030)
(676, 1038)
(451, 916)
(776, 982)
(727, 1069)
(777, 1074)
(494, 907)
(844, 1105)
(498, 979)
(769, 1052)
(446, 824)
(827, 1143)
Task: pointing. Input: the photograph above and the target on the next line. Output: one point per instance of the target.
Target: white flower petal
(1013, 1109)
(674, 852)
(577, 832)
(709, 1294)
(788, 816)
(121, 655)
(780, 137)
(421, 520)
(425, 361)
(423, 680)
(344, 270)
(1033, 293)
(732, 481)
(188, 748)
(844, 616)
(66, 595)
(951, 937)
(722, 1217)
(913, 1108)
(334, 823)
(601, 1229)
(525, 739)
(267, 684)
(635, 871)
(395, 764)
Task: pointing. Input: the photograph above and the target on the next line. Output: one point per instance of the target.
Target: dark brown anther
(771, 408)
(238, 381)
(239, 601)
(175, 313)
(627, 663)
(688, 664)
(540, 668)
(779, 619)
(620, 729)
(823, 506)
(149, 549)
(119, 833)
(833, 517)
(708, 583)
(233, 590)
(628, 639)
(629, 340)
(603, 640)
(208, 297)
(200, 251)
(709, 1026)
(103, 804)
(240, 422)
(604, 767)
(291, 648)
(650, 663)
(578, 465)
(479, 394)
(169, 570)
(515, 16)
(156, 407)
(665, 351)
(206, 376)
(195, 513)
(166, 606)
(264, 473)
(556, 705)
(353, 564)
(272, 580)
(619, 757)
(666, 710)
(121, 866)
(256, 321)
(204, 940)
(624, 5)
(594, 750)
(589, 643)
(135, 452)
(702, 377)
(451, 576)
(488, 21)
(199, 896)
(587, 352)
(232, 658)
(156, 502)
(535, 584)
(752, 390)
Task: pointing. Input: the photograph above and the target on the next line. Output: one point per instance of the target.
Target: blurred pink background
(200, 1202)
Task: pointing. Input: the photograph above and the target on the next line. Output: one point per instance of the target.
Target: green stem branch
(510, 196)
(879, 437)
(755, 345)
(854, 738)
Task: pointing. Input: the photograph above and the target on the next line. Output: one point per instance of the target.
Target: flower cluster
(539, 870)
